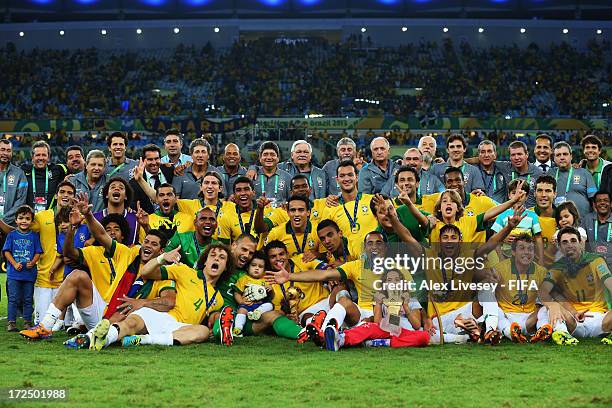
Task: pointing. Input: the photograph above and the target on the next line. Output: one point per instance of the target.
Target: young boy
(248, 309)
(21, 250)
(530, 223)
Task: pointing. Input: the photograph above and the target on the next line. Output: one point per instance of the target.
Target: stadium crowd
(265, 77)
(173, 250)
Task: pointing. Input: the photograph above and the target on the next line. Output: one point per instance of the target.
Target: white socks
(163, 339)
(52, 316)
(338, 312)
(490, 310)
(240, 321)
(112, 336)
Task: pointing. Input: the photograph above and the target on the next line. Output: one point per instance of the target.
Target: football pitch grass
(273, 372)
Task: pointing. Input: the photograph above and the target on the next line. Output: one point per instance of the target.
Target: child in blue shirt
(21, 250)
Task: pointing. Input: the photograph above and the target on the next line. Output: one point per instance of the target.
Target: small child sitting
(256, 271)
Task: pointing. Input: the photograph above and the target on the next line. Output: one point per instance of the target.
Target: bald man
(374, 175)
(231, 168)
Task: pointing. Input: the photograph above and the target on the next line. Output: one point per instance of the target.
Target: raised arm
(260, 225)
(499, 237)
(138, 176)
(69, 251)
(152, 269)
(420, 217)
(495, 211)
(313, 275)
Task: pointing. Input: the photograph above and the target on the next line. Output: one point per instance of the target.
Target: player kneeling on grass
(581, 279)
(393, 321)
(252, 307)
(520, 279)
(196, 300)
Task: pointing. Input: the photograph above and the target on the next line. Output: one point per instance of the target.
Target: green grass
(268, 371)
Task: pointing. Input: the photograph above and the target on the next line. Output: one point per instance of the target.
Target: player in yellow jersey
(298, 234)
(473, 203)
(581, 279)
(196, 300)
(545, 194)
(449, 210)
(107, 264)
(345, 311)
(519, 280)
(239, 218)
(166, 218)
(339, 249)
(350, 210)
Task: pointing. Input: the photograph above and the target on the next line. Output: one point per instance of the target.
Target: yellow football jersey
(517, 293)
(352, 250)
(196, 299)
(44, 224)
(317, 210)
(313, 292)
(183, 222)
(475, 205)
(230, 227)
(308, 241)
(153, 288)
(549, 227)
(366, 222)
(585, 291)
(107, 269)
(453, 296)
(468, 225)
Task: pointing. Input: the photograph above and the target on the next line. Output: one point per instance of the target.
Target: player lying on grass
(581, 279)
(520, 279)
(196, 300)
(107, 263)
(392, 322)
(451, 291)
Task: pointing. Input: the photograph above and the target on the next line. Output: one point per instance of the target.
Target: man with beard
(346, 150)
(173, 143)
(118, 165)
(350, 210)
(117, 195)
(14, 184)
(197, 301)
(193, 243)
(154, 175)
(598, 225)
(43, 177)
(427, 146)
(374, 175)
(456, 146)
(575, 185)
(581, 279)
(166, 219)
(231, 168)
(301, 163)
(92, 180)
(188, 186)
(545, 194)
(75, 159)
(428, 183)
(107, 263)
(592, 148)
